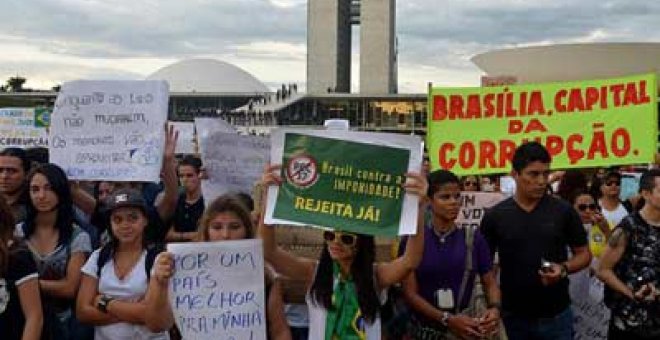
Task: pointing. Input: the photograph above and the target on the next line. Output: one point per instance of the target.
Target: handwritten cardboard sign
(217, 291)
(24, 127)
(185, 144)
(344, 179)
(474, 205)
(233, 163)
(110, 130)
(590, 315)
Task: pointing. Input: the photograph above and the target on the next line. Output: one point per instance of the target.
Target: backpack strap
(104, 255)
(469, 245)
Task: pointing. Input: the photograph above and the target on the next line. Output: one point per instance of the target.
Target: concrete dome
(539, 64)
(208, 75)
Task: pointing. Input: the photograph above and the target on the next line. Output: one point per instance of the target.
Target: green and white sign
(344, 180)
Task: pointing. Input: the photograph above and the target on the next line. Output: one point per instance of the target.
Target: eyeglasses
(611, 183)
(469, 183)
(345, 238)
(592, 206)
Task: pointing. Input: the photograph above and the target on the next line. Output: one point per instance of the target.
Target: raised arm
(282, 261)
(166, 202)
(82, 199)
(158, 316)
(278, 328)
(395, 271)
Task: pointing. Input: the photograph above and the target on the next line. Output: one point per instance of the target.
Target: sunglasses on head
(592, 206)
(345, 238)
(611, 183)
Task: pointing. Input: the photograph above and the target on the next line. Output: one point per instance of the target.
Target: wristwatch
(445, 318)
(564, 270)
(102, 305)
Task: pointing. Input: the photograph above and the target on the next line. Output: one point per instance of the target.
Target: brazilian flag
(42, 117)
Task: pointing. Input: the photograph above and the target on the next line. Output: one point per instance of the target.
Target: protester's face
(44, 199)
(652, 198)
(105, 189)
(586, 207)
(532, 181)
(128, 224)
(446, 202)
(12, 175)
(611, 187)
(226, 226)
(470, 183)
(342, 246)
(189, 177)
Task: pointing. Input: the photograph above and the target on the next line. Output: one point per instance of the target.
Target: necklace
(443, 235)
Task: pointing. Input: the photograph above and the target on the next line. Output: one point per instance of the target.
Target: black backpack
(153, 249)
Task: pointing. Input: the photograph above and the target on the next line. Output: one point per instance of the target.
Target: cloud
(51, 41)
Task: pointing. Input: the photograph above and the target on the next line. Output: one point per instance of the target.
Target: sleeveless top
(639, 264)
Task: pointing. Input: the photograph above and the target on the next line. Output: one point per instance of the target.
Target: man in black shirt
(532, 231)
(190, 205)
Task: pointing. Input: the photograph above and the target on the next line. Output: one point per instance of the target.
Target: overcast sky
(51, 41)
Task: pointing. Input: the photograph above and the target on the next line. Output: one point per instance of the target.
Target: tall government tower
(329, 26)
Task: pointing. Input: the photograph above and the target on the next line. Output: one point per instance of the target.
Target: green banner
(582, 124)
(342, 184)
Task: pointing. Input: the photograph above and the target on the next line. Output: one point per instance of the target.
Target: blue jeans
(558, 327)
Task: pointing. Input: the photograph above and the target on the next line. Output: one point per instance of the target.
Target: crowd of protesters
(87, 260)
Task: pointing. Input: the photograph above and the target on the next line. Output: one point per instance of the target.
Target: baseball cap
(125, 198)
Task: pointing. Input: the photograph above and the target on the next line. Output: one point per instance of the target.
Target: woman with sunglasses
(226, 218)
(345, 288)
(594, 222)
(585, 290)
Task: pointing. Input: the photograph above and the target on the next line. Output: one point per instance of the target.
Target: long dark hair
(6, 228)
(60, 186)
(362, 271)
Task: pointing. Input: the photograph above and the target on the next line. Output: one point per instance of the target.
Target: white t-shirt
(615, 216)
(132, 288)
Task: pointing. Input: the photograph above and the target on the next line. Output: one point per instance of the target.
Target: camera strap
(469, 244)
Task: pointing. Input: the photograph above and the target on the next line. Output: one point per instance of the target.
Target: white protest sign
(217, 291)
(590, 315)
(232, 162)
(24, 127)
(474, 205)
(185, 144)
(110, 130)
